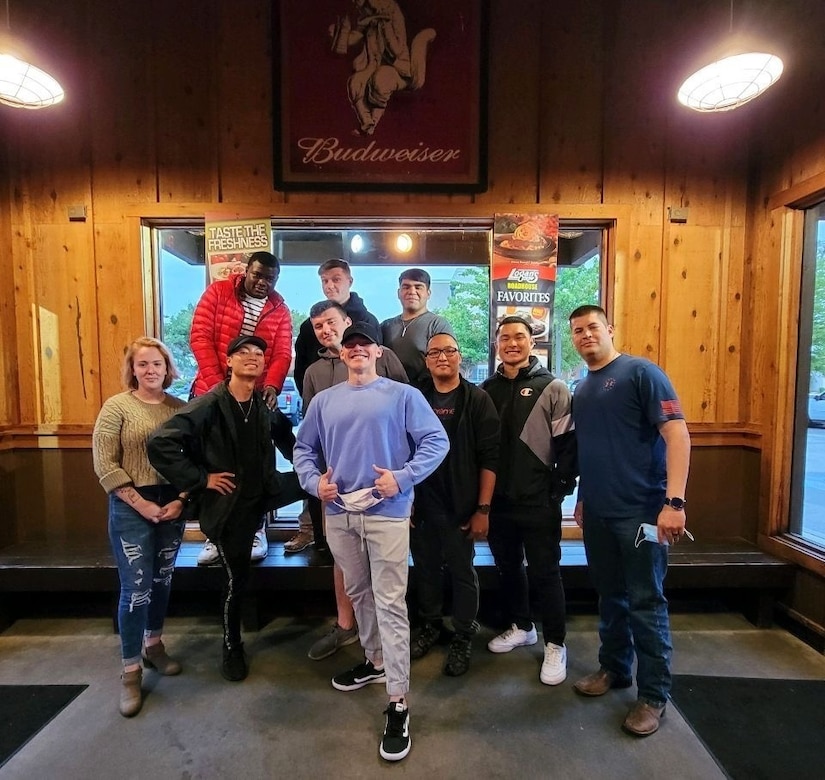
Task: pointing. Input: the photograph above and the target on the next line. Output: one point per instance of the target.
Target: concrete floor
(286, 720)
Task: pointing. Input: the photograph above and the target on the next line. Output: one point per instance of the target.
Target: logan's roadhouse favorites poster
(230, 242)
(523, 273)
(379, 93)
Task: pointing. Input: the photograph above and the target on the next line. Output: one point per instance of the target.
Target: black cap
(242, 341)
(361, 329)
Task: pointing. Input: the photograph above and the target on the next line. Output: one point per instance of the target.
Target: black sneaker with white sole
(395, 744)
(359, 676)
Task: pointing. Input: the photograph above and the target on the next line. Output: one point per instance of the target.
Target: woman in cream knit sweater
(145, 523)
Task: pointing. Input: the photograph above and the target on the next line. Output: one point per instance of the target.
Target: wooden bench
(723, 565)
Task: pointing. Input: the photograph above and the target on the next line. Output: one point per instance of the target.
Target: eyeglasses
(448, 352)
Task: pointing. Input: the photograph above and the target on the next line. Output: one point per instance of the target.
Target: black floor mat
(25, 709)
(756, 728)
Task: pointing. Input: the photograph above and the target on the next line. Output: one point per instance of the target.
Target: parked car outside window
(289, 401)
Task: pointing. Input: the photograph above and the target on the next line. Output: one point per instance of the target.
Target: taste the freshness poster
(523, 273)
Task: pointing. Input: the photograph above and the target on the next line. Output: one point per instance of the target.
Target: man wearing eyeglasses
(452, 505)
(242, 306)
(634, 451)
(537, 468)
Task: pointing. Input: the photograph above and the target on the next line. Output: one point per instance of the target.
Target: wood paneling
(184, 55)
(571, 131)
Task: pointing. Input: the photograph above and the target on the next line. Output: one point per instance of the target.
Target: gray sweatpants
(373, 553)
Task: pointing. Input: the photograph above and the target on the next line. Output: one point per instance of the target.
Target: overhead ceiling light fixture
(731, 80)
(23, 85)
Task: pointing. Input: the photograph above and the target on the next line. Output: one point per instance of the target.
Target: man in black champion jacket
(537, 468)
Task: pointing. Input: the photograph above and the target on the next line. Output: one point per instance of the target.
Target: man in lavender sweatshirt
(362, 446)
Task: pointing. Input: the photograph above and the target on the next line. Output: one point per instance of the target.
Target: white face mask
(359, 500)
(650, 533)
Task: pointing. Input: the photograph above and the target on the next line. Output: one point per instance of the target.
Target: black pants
(534, 533)
(235, 548)
(437, 539)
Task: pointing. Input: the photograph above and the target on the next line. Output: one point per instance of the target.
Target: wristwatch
(483, 509)
(676, 503)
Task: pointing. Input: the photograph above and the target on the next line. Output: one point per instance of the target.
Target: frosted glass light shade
(25, 86)
(730, 82)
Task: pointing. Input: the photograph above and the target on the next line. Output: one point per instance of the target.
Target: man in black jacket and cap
(219, 450)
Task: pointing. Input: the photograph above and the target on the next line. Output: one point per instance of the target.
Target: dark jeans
(534, 533)
(438, 539)
(145, 553)
(632, 606)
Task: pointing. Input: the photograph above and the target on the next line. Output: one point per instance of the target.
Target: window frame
(150, 237)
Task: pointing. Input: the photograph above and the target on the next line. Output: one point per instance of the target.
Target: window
(807, 516)
(457, 256)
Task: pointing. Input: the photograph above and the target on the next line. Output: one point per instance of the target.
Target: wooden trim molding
(795, 550)
(79, 436)
(800, 195)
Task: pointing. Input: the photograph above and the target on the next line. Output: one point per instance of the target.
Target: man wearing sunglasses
(362, 446)
(452, 505)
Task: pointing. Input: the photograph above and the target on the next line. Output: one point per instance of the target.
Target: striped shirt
(252, 308)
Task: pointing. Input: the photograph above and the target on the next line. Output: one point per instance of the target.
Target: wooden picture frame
(380, 95)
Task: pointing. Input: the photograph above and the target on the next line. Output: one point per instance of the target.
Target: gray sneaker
(333, 641)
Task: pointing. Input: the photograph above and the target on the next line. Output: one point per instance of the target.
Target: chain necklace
(246, 412)
(406, 323)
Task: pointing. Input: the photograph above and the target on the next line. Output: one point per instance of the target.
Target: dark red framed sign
(380, 94)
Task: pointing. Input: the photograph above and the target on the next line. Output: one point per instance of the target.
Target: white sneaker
(554, 667)
(260, 546)
(208, 555)
(512, 638)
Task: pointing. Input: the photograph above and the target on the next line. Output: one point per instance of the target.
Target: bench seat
(722, 564)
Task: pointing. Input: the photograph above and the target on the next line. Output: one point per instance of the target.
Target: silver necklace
(406, 324)
(248, 411)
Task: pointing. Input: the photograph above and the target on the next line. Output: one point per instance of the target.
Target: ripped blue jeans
(145, 554)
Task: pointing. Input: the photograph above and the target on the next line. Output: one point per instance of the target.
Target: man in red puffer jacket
(243, 306)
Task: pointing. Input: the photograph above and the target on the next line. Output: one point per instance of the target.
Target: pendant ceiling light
(734, 78)
(22, 84)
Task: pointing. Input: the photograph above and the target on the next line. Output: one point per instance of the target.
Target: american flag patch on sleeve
(672, 408)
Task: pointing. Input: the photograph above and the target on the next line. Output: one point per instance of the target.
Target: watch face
(676, 503)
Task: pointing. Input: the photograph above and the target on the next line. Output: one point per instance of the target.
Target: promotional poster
(523, 274)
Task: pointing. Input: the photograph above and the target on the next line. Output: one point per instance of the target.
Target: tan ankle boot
(131, 698)
(154, 657)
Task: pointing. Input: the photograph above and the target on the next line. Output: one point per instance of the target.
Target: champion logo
(526, 391)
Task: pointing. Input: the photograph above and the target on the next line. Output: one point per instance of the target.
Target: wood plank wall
(581, 112)
(169, 113)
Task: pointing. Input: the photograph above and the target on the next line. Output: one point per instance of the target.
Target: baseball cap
(242, 341)
(361, 329)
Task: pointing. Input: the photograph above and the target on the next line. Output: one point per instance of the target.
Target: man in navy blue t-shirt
(634, 456)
